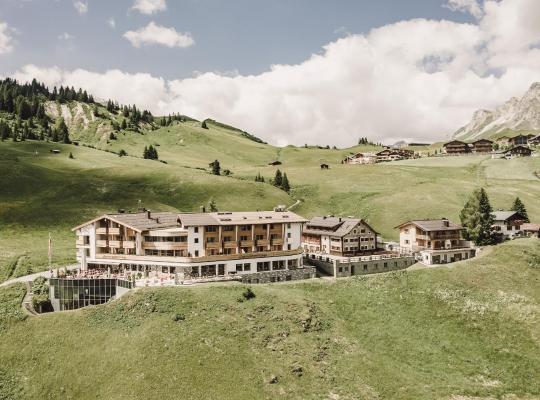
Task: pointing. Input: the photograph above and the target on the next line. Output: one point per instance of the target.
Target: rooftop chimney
(203, 209)
(148, 214)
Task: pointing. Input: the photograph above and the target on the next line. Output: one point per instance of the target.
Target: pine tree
(203, 125)
(216, 168)
(212, 206)
(5, 131)
(278, 179)
(477, 218)
(285, 184)
(519, 207)
(145, 153)
(124, 124)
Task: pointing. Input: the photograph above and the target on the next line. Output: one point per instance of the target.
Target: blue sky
(230, 35)
(291, 72)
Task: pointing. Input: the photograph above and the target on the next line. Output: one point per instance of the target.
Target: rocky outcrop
(516, 114)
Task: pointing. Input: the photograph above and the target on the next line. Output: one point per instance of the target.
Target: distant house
(482, 146)
(456, 147)
(275, 163)
(361, 158)
(531, 230)
(436, 241)
(393, 155)
(503, 141)
(520, 140)
(325, 166)
(517, 151)
(507, 223)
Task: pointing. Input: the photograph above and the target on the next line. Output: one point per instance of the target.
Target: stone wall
(279, 276)
(346, 268)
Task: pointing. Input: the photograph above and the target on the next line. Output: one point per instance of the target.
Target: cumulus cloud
(157, 34)
(6, 40)
(469, 6)
(149, 6)
(81, 6)
(411, 80)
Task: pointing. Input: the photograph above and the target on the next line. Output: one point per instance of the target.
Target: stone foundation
(279, 276)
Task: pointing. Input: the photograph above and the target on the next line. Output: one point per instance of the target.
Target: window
(247, 267)
(263, 266)
(259, 237)
(196, 229)
(243, 238)
(228, 228)
(211, 229)
(365, 267)
(196, 253)
(196, 240)
(289, 235)
(210, 239)
(289, 225)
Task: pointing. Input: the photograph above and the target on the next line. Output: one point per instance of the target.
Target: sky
(291, 72)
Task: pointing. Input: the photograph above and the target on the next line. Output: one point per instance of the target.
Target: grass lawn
(471, 329)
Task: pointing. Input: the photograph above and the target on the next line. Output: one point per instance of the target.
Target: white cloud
(157, 34)
(111, 22)
(414, 80)
(66, 36)
(6, 40)
(81, 6)
(149, 6)
(469, 6)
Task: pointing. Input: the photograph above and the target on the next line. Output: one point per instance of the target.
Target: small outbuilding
(325, 166)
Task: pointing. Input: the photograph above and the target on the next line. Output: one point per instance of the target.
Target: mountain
(515, 116)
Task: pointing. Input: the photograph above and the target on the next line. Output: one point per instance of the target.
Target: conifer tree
(519, 207)
(203, 125)
(285, 184)
(216, 168)
(477, 218)
(212, 206)
(278, 179)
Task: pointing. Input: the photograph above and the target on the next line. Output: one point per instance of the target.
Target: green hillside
(45, 192)
(467, 331)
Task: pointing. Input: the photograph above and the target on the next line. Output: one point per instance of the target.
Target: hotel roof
(149, 220)
(333, 226)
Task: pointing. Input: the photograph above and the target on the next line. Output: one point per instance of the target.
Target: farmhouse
(534, 141)
(239, 245)
(507, 224)
(393, 155)
(339, 236)
(438, 241)
(456, 147)
(518, 151)
(519, 140)
(361, 158)
(482, 146)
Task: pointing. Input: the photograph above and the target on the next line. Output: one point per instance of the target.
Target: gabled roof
(504, 215)
(140, 221)
(530, 227)
(483, 140)
(455, 142)
(430, 225)
(334, 226)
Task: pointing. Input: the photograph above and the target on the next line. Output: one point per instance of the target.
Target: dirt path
(31, 277)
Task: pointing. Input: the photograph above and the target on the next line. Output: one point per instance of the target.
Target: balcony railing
(114, 231)
(128, 245)
(101, 231)
(246, 243)
(165, 245)
(230, 245)
(114, 244)
(101, 243)
(263, 242)
(212, 245)
(277, 242)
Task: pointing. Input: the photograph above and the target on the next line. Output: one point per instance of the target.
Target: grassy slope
(471, 329)
(53, 193)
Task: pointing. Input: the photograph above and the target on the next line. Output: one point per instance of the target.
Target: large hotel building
(193, 245)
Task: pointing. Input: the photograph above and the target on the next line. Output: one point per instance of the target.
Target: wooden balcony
(115, 244)
(230, 245)
(101, 231)
(128, 244)
(114, 231)
(263, 242)
(246, 243)
(212, 245)
(279, 242)
(101, 243)
(165, 245)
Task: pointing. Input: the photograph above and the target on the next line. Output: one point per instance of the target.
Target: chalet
(503, 141)
(361, 158)
(339, 236)
(519, 140)
(456, 147)
(507, 224)
(437, 241)
(482, 146)
(393, 155)
(517, 151)
(531, 230)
